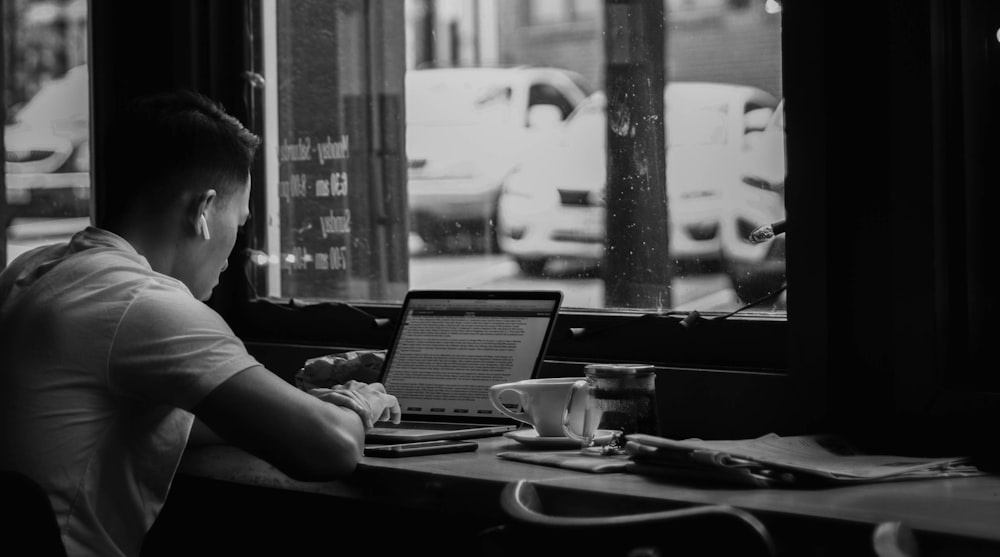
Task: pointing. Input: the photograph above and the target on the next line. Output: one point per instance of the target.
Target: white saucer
(530, 438)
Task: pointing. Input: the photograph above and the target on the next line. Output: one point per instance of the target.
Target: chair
(699, 530)
(894, 539)
(28, 525)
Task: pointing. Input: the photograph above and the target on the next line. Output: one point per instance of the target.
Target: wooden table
(948, 516)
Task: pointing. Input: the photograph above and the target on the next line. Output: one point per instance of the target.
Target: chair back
(28, 525)
(696, 530)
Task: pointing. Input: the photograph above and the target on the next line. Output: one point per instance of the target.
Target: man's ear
(198, 212)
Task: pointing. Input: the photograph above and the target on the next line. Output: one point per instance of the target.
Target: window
(561, 12)
(501, 191)
(46, 126)
(548, 12)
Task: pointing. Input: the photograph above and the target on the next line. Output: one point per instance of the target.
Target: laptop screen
(451, 347)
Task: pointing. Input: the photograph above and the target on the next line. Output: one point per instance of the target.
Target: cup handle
(569, 404)
(495, 393)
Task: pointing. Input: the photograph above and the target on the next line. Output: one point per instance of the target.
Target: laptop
(449, 348)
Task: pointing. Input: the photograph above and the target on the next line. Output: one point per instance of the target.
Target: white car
(47, 146)
(465, 128)
(757, 269)
(552, 205)
(51, 132)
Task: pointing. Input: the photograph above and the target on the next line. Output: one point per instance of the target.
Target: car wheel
(532, 267)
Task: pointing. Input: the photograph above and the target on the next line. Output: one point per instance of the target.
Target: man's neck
(159, 249)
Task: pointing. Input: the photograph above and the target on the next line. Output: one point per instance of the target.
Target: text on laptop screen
(449, 352)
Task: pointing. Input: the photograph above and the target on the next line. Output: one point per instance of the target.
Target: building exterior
(735, 41)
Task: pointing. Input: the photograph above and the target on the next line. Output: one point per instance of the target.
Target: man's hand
(368, 400)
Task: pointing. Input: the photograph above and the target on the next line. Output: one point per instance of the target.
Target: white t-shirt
(101, 361)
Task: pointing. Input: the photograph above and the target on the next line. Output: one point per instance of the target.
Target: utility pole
(637, 260)
(427, 56)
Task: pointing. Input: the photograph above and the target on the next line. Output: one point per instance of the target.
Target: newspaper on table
(774, 461)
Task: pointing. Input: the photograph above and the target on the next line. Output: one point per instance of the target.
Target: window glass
(587, 9)
(480, 99)
(47, 123)
(553, 11)
(502, 166)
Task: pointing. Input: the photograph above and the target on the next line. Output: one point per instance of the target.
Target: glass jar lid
(618, 369)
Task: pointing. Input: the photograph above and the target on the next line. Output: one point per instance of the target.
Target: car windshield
(456, 98)
(60, 102)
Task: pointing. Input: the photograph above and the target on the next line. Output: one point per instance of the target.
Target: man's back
(98, 365)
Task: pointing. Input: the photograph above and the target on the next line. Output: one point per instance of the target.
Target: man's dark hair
(164, 145)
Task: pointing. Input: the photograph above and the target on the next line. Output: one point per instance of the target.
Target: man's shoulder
(102, 279)
(167, 293)
(117, 269)
(52, 272)
(171, 305)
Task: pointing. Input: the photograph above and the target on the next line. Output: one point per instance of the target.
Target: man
(107, 351)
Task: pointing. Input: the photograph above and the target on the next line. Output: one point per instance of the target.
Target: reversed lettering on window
(335, 186)
(299, 259)
(300, 150)
(334, 260)
(333, 150)
(316, 198)
(294, 186)
(336, 224)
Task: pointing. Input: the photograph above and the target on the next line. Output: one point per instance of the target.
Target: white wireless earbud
(203, 225)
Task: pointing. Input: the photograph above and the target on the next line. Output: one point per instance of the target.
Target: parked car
(757, 269)
(465, 128)
(47, 146)
(552, 204)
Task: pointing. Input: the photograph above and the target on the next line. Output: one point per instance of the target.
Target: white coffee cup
(542, 403)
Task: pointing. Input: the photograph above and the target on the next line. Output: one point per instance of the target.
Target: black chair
(698, 530)
(28, 524)
(894, 539)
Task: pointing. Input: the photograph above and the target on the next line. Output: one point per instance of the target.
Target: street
(704, 292)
